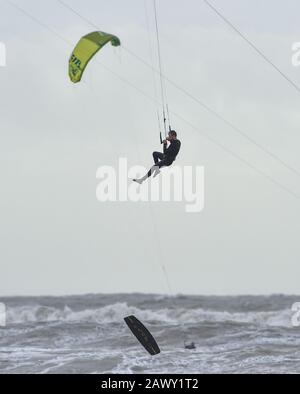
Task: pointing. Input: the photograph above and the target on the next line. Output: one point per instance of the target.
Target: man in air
(165, 159)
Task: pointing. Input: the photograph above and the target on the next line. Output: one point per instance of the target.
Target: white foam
(116, 312)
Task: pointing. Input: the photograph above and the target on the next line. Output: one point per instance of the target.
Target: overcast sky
(56, 238)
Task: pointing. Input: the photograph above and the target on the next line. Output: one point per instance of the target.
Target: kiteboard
(143, 335)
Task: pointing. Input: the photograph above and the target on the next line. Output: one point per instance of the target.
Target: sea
(87, 334)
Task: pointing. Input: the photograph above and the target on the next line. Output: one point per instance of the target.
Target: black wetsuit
(167, 158)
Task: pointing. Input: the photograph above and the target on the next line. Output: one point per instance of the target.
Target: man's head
(172, 135)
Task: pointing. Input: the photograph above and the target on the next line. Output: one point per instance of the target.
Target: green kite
(86, 49)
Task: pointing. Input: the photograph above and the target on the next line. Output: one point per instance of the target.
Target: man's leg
(157, 156)
(160, 164)
(154, 170)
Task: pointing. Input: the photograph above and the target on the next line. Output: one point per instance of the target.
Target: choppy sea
(87, 334)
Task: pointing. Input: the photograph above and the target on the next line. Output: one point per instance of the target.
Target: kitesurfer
(190, 346)
(165, 159)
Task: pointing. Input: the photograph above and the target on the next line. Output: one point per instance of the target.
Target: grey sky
(57, 239)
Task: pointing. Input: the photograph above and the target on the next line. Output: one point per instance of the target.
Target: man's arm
(165, 147)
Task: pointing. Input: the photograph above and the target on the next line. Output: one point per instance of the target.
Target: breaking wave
(114, 313)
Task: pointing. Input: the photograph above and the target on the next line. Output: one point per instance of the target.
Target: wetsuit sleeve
(165, 148)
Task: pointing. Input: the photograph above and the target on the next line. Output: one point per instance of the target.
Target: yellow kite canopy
(86, 49)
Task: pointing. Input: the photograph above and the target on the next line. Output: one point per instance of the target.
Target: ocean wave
(114, 313)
